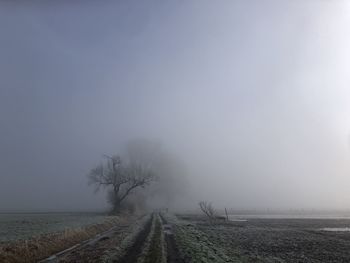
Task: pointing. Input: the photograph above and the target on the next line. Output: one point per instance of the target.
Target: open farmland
(272, 240)
(22, 226)
(163, 237)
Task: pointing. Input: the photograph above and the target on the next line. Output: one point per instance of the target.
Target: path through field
(151, 242)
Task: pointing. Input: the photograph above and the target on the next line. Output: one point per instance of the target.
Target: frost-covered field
(266, 239)
(22, 226)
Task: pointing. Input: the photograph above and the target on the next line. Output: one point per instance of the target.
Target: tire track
(135, 250)
(173, 253)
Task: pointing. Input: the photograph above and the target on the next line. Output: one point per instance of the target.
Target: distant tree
(121, 179)
(208, 210)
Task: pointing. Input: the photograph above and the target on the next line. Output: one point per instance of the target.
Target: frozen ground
(278, 240)
(22, 226)
(163, 237)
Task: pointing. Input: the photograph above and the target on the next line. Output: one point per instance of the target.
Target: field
(274, 240)
(164, 237)
(23, 226)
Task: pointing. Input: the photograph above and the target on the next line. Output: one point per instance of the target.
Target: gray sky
(253, 95)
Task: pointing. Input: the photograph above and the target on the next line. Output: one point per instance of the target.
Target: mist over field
(252, 97)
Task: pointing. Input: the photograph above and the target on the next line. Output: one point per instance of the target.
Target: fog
(252, 96)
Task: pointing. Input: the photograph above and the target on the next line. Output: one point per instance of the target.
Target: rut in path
(173, 254)
(133, 253)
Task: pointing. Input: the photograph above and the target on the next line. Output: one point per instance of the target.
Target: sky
(252, 95)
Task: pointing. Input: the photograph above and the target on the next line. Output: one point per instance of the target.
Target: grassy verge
(43, 246)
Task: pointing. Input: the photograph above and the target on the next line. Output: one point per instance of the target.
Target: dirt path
(133, 253)
(154, 253)
(145, 247)
(173, 254)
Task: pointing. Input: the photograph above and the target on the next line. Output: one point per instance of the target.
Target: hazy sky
(253, 95)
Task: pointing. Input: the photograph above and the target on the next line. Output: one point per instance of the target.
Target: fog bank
(252, 96)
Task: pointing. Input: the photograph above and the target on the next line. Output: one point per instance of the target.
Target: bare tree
(208, 210)
(120, 179)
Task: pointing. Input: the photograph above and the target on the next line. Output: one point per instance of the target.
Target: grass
(43, 246)
(195, 246)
